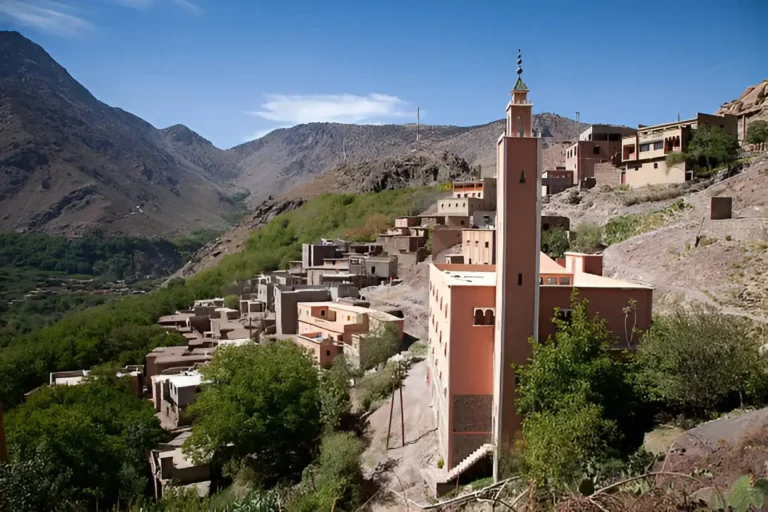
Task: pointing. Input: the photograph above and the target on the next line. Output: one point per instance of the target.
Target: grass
(654, 193)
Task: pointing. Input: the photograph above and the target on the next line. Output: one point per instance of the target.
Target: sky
(233, 70)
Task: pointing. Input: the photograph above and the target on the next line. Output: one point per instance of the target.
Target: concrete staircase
(472, 459)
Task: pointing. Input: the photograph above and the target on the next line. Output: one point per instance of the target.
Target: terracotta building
(599, 143)
(482, 316)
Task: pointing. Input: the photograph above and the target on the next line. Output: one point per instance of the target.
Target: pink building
(344, 325)
(482, 316)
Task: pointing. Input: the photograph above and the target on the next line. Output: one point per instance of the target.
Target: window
(551, 280)
(658, 145)
(322, 312)
(655, 165)
(596, 150)
(565, 315)
(479, 318)
(519, 279)
(565, 281)
(645, 147)
(327, 352)
(489, 317)
(462, 223)
(373, 270)
(486, 245)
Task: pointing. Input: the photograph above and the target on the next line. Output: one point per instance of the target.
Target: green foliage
(576, 398)
(757, 132)
(188, 245)
(746, 495)
(333, 482)
(440, 463)
(554, 242)
(334, 393)
(712, 147)
(90, 440)
(263, 399)
(694, 360)
(378, 386)
(379, 345)
(114, 257)
(77, 341)
(675, 158)
(624, 227)
(588, 238)
(232, 302)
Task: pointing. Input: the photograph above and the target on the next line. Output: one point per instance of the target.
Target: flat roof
(179, 317)
(585, 280)
(186, 381)
(549, 266)
(380, 315)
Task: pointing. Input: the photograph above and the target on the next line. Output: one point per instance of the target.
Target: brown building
(597, 144)
(554, 182)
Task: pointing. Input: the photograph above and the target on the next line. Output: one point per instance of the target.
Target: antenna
(678, 116)
(578, 125)
(418, 123)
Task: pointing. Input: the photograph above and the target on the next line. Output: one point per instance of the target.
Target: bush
(588, 238)
(554, 242)
(334, 394)
(334, 481)
(711, 148)
(695, 361)
(232, 302)
(378, 386)
(573, 196)
(576, 399)
(675, 158)
(379, 345)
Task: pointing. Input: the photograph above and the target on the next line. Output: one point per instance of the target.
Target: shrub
(675, 158)
(379, 385)
(334, 394)
(440, 463)
(575, 397)
(694, 361)
(554, 242)
(379, 345)
(333, 481)
(757, 132)
(573, 196)
(232, 302)
(588, 238)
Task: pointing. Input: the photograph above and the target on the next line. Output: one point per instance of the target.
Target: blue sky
(235, 69)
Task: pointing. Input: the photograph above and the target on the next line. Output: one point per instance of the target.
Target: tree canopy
(263, 400)
(757, 132)
(712, 147)
(89, 442)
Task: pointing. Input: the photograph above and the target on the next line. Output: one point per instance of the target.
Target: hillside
(69, 163)
(284, 158)
(726, 269)
(753, 103)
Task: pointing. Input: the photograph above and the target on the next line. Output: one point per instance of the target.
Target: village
(490, 290)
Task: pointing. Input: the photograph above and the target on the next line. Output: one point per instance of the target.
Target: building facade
(643, 155)
(599, 143)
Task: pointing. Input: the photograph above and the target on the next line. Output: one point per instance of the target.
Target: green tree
(757, 132)
(694, 360)
(576, 398)
(588, 238)
(554, 242)
(674, 158)
(90, 439)
(712, 147)
(334, 393)
(264, 401)
(334, 481)
(379, 345)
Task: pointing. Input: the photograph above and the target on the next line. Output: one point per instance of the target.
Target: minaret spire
(519, 62)
(519, 85)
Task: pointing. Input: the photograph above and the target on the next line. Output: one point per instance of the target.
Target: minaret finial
(519, 62)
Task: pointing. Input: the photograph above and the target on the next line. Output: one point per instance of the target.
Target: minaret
(517, 259)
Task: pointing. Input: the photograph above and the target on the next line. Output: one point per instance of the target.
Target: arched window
(489, 317)
(479, 317)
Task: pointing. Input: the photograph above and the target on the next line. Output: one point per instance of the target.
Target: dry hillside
(728, 268)
(752, 103)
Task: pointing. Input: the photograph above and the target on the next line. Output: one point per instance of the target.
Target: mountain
(286, 157)
(70, 163)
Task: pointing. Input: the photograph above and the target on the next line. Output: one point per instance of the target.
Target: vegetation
(757, 132)
(675, 158)
(380, 344)
(378, 386)
(335, 404)
(624, 227)
(576, 398)
(264, 401)
(78, 446)
(554, 242)
(80, 340)
(711, 148)
(700, 361)
(588, 238)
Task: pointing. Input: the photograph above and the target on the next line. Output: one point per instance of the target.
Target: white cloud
(189, 6)
(338, 108)
(47, 16)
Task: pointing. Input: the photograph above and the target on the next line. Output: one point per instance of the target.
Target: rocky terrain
(69, 163)
(753, 103)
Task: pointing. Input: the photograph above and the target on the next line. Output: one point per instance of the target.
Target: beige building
(643, 155)
(597, 144)
(478, 246)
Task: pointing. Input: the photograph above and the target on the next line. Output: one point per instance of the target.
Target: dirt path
(399, 468)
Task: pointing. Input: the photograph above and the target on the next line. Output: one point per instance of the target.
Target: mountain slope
(282, 159)
(69, 163)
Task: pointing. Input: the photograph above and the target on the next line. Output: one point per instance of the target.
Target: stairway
(469, 461)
